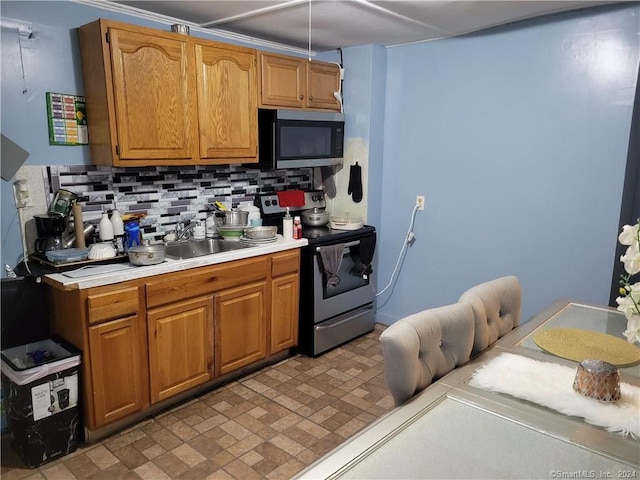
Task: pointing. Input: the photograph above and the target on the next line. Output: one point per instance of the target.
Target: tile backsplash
(167, 195)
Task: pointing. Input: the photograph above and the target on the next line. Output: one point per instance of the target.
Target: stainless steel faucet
(182, 231)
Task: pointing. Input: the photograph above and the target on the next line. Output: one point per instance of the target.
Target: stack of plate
(260, 235)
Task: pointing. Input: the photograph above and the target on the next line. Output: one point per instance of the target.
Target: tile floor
(270, 424)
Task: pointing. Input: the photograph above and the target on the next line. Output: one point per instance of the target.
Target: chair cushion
(425, 346)
(496, 307)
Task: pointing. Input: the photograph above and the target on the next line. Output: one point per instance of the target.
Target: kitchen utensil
(260, 233)
(236, 217)
(46, 244)
(180, 28)
(67, 255)
(346, 223)
(147, 254)
(231, 232)
(49, 224)
(315, 217)
(101, 251)
(63, 202)
(87, 230)
(254, 213)
(78, 235)
(132, 233)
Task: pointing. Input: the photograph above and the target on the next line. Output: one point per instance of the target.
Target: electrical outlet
(21, 194)
(420, 202)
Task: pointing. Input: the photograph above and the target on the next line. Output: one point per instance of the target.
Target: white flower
(631, 259)
(633, 328)
(629, 234)
(629, 303)
(629, 299)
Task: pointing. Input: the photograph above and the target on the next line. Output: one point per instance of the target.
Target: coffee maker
(50, 228)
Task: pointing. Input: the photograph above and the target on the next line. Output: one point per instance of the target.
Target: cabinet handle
(311, 97)
(301, 97)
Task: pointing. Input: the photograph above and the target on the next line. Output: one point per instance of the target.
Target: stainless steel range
(337, 299)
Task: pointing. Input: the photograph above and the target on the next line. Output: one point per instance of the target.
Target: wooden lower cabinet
(147, 340)
(284, 312)
(240, 322)
(116, 366)
(180, 347)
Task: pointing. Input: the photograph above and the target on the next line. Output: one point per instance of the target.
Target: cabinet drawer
(287, 262)
(178, 286)
(114, 304)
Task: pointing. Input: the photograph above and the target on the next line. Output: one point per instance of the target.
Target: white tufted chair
(496, 308)
(424, 346)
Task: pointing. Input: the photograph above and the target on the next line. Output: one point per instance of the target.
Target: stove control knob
(274, 202)
(267, 202)
(316, 198)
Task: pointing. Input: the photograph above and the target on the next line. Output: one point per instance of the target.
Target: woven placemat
(578, 345)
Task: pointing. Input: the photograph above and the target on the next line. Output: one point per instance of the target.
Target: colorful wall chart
(67, 115)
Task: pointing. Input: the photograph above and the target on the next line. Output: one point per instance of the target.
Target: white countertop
(122, 272)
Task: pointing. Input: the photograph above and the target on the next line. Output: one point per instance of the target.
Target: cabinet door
(154, 95)
(116, 369)
(241, 330)
(227, 103)
(323, 79)
(180, 346)
(283, 81)
(284, 312)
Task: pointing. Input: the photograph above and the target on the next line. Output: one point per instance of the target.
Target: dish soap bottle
(287, 226)
(105, 228)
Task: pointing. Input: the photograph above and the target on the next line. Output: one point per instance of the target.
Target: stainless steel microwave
(299, 138)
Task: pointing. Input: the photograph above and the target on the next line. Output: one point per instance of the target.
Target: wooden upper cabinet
(227, 102)
(151, 102)
(323, 79)
(154, 96)
(293, 82)
(282, 81)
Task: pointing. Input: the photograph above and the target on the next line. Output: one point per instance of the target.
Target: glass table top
(574, 315)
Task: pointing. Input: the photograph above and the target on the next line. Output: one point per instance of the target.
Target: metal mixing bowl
(146, 254)
(260, 233)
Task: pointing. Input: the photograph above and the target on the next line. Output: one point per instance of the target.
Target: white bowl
(100, 251)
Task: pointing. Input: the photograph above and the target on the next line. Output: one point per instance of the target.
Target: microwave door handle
(346, 245)
(274, 160)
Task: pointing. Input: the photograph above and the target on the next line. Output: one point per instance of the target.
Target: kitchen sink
(184, 249)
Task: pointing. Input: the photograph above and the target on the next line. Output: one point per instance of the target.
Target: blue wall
(47, 62)
(518, 139)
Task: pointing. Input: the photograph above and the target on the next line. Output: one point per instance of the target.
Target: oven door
(354, 290)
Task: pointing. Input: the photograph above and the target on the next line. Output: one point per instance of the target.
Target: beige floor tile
(58, 472)
(188, 455)
(150, 471)
(102, 457)
(269, 425)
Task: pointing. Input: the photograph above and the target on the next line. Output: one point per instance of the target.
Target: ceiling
(345, 23)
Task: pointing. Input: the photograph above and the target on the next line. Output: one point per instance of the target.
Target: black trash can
(40, 393)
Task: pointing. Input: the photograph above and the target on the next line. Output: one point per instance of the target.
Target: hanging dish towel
(355, 183)
(367, 249)
(328, 182)
(291, 198)
(331, 259)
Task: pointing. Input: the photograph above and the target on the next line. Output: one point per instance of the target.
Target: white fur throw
(551, 385)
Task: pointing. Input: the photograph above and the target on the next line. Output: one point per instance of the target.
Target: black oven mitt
(355, 183)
